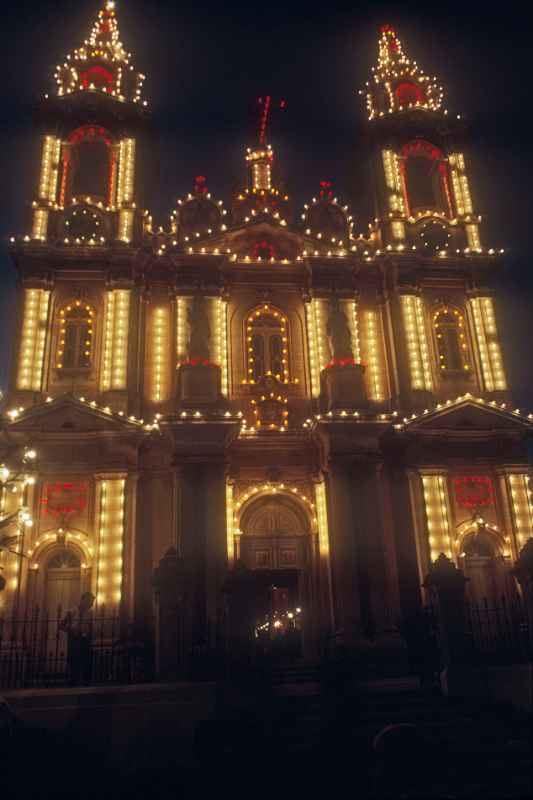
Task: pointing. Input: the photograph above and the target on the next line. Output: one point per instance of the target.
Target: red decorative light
(342, 362)
(97, 76)
(265, 103)
(263, 250)
(419, 147)
(408, 93)
(472, 491)
(263, 119)
(90, 133)
(200, 185)
(195, 362)
(326, 190)
(64, 498)
(389, 31)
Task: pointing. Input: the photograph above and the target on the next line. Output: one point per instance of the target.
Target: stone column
(375, 595)
(204, 549)
(344, 568)
(216, 551)
(192, 550)
(200, 452)
(170, 599)
(155, 532)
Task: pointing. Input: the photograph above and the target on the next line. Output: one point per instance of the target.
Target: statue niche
(342, 380)
(198, 380)
(339, 334)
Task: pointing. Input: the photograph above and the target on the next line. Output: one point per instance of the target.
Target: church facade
(325, 407)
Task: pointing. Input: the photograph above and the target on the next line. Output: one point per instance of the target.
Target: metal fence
(491, 632)
(36, 651)
(499, 632)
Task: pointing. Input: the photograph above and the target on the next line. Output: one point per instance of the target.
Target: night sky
(206, 64)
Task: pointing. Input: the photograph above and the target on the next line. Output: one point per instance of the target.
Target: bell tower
(423, 199)
(86, 189)
(78, 302)
(426, 233)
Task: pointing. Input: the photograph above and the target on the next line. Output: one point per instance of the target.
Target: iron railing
(36, 651)
(498, 632)
(492, 631)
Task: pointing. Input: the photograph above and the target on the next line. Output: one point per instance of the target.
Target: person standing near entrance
(77, 624)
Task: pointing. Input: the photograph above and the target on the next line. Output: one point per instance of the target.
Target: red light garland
(64, 498)
(196, 362)
(472, 491)
(342, 362)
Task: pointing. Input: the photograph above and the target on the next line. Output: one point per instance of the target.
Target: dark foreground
(283, 734)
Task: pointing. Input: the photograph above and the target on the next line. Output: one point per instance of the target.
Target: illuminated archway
(482, 551)
(491, 540)
(59, 571)
(276, 545)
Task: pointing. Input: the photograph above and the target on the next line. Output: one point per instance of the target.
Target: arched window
(425, 176)
(450, 341)
(90, 165)
(267, 344)
(76, 336)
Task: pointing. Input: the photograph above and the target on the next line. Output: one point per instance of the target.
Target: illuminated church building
(327, 406)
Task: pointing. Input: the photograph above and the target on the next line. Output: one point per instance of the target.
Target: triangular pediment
(68, 414)
(470, 415)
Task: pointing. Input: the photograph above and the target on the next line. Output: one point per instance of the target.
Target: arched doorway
(276, 545)
(489, 579)
(63, 582)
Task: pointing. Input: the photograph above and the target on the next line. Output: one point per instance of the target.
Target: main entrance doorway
(276, 546)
